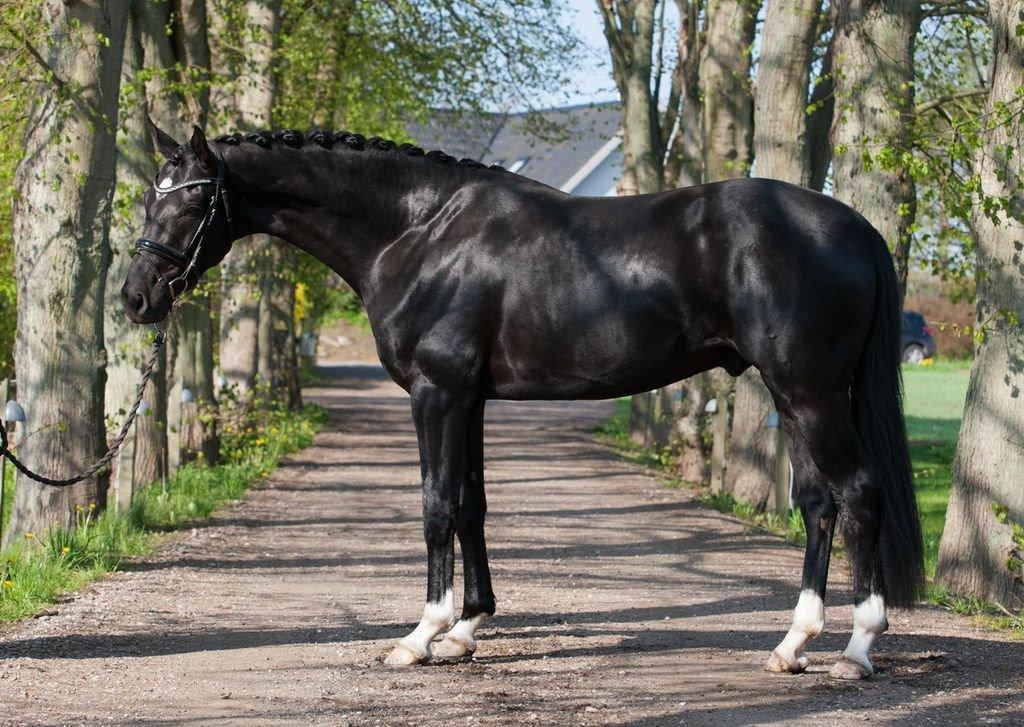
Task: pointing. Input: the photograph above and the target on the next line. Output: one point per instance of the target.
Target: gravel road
(619, 602)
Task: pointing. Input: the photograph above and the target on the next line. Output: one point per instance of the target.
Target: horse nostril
(134, 302)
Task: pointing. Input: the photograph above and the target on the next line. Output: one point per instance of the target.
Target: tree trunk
(246, 271)
(980, 554)
(873, 47)
(61, 225)
(780, 105)
(691, 438)
(268, 273)
(193, 335)
(725, 80)
(286, 363)
(629, 30)
(819, 123)
(177, 101)
(197, 427)
(751, 469)
(149, 449)
(128, 345)
(726, 132)
(781, 151)
(684, 166)
(239, 316)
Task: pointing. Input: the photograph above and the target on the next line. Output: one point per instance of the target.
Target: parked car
(917, 341)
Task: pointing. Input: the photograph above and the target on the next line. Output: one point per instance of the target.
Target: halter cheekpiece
(185, 262)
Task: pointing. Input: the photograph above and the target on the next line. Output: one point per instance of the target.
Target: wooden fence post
(782, 473)
(6, 388)
(720, 433)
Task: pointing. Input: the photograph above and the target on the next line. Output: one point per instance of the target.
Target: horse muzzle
(145, 304)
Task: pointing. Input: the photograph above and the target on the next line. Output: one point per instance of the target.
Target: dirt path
(619, 602)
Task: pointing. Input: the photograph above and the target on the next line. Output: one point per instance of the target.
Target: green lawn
(934, 404)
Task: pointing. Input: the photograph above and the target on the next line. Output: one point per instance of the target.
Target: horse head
(187, 229)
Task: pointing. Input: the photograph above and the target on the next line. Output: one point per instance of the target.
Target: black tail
(877, 399)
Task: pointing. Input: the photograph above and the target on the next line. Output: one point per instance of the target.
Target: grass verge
(46, 566)
(615, 433)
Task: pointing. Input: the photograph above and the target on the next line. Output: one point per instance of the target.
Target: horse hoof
(402, 655)
(849, 669)
(778, 665)
(452, 648)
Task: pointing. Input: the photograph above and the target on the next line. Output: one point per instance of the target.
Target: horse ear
(200, 147)
(161, 139)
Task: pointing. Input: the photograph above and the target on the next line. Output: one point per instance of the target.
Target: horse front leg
(441, 418)
(478, 600)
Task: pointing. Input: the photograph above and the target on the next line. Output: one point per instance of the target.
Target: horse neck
(341, 206)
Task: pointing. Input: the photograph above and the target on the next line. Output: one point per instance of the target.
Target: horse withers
(480, 284)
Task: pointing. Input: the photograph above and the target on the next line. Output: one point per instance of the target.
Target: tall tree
(282, 315)
(725, 82)
(193, 341)
(728, 105)
(65, 185)
(982, 548)
(684, 163)
(244, 43)
(143, 455)
(629, 29)
(636, 36)
(173, 85)
(782, 124)
(873, 47)
(783, 140)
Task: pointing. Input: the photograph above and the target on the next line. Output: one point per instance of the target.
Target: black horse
(480, 284)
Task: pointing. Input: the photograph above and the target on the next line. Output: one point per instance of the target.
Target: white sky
(591, 81)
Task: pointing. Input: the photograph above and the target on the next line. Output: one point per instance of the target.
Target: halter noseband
(184, 261)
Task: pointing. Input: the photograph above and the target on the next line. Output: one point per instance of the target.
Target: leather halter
(185, 262)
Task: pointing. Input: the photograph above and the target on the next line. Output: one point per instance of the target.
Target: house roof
(550, 146)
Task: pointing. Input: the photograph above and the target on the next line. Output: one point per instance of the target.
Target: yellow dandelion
(65, 550)
(79, 508)
(8, 583)
(92, 505)
(29, 536)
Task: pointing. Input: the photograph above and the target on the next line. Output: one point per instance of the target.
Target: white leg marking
(808, 622)
(459, 641)
(415, 648)
(868, 621)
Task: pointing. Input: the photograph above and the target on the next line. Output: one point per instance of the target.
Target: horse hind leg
(819, 511)
(826, 425)
(862, 507)
(859, 495)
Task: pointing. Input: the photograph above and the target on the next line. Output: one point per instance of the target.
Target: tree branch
(927, 106)
(941, 9)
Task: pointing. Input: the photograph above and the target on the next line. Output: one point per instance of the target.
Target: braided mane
(346, 140)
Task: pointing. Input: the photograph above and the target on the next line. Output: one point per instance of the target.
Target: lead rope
(158, 342)
(219, 197)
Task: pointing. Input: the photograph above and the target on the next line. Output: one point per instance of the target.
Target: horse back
(529, 293)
